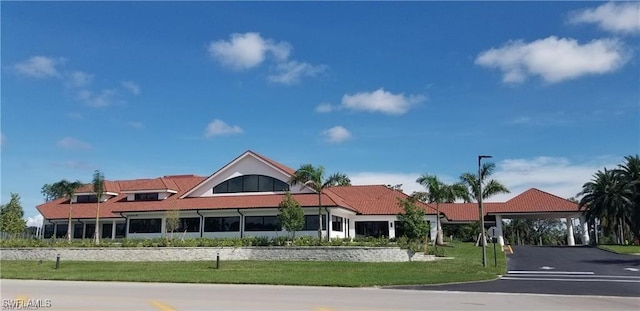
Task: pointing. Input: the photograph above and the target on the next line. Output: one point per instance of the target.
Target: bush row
(205, 242)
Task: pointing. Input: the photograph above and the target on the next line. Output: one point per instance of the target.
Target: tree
(11, 214)
(438, 192)
(68, 190)
(490, 187)
(172, 221)
(52, 191)
(313, 177)
(98, 188)
(291, 215)
(613, 197)
(412, 219)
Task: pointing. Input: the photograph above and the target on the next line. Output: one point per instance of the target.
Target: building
(241, 199)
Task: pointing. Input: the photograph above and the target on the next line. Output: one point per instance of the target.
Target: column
(585, 230)
(113, 230)
(570, 240)
(432, 226)
(499, 234)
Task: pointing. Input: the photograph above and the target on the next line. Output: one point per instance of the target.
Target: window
(121, 229)
(222, 224)
(91, 198)
(191, 224)
(372, 228)
(311, 223)
(400, 230)
(61, 231)
(336, 223)
(89, 231)
(77, 231)
(107, 229)
(153, 196)
(48, 231)
(152, 225)
(251, 183)
(261, 223)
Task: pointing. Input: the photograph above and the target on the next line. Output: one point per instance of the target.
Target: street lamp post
(479, 194)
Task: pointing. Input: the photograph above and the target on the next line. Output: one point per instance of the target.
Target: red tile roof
(280, 166)
(374, 200)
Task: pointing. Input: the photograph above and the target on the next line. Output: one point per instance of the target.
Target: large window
(372, 228)
(311, 223)
(121, 229)
(336, 223)
(61, 231)
(152, 225)
(77, 231)
(222, 224)
(48, 231)
(261, 223)
(191, 224)
(251, 183)
(153, 196)
(107, 229)
(91, 198)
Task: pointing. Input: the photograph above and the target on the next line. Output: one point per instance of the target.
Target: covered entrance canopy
(531, 204)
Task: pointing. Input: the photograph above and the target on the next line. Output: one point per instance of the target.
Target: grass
(622, 249)
(466, 266)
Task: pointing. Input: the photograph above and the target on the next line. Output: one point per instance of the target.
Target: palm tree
(438, 192)
(490, 187)
(69, 190)
(630, 174)
(313, 177)
(98, 188)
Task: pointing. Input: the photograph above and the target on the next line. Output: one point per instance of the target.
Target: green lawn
(622, 249)
(465, 267)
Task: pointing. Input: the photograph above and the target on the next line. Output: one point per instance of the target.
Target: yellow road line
(161, 306)
(510, 249)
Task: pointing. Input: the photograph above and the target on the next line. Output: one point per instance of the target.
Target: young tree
(291, 215)
(313, 177)
(438, 192)
(172, 222)
(11, 214)
(412, 219)
(98, 188)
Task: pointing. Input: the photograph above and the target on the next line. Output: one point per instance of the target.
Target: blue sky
(382, 91)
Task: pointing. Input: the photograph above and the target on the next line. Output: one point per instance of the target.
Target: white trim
(151, 191)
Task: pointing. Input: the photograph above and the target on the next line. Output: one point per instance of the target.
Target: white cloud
(219, 128)
(381, 101)
(245, 51)
(35, 221)
(554, 59)
(613, 17)
(79, 79)
(72, 143)
(325, 108)
(132, 87)
(336, 134)
(556, 175)
(103, 99)
(292, 71)
(38, 67)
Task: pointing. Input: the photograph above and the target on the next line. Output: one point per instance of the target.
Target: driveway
(571, 270)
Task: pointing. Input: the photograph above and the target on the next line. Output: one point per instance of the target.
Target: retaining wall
(358, 254)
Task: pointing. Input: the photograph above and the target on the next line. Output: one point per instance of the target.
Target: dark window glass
(77, 231)
(251, 183)
(235, 184)
(61, 231)
(336, 223)
(121, 229)
(191, 224)
(106, 231)
(152, 225)
(372, 228)
(400, 230)
(146, 196)
(311, 223)
(48, 231)
(91, 198)
(261, 223)
(89, 231)
(222, 224)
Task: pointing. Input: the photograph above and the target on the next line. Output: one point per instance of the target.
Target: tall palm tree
(438, 192)
(69, 190)
(490, 187)
(313, 177)
(98, 188)
(630, 174)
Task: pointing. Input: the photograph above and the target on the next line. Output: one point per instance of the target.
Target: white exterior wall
(247, 165)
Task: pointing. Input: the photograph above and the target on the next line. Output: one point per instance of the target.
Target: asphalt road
(88, 296)
(560, 270)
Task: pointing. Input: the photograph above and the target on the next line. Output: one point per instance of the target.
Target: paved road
(561, 270)
(88, 296)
